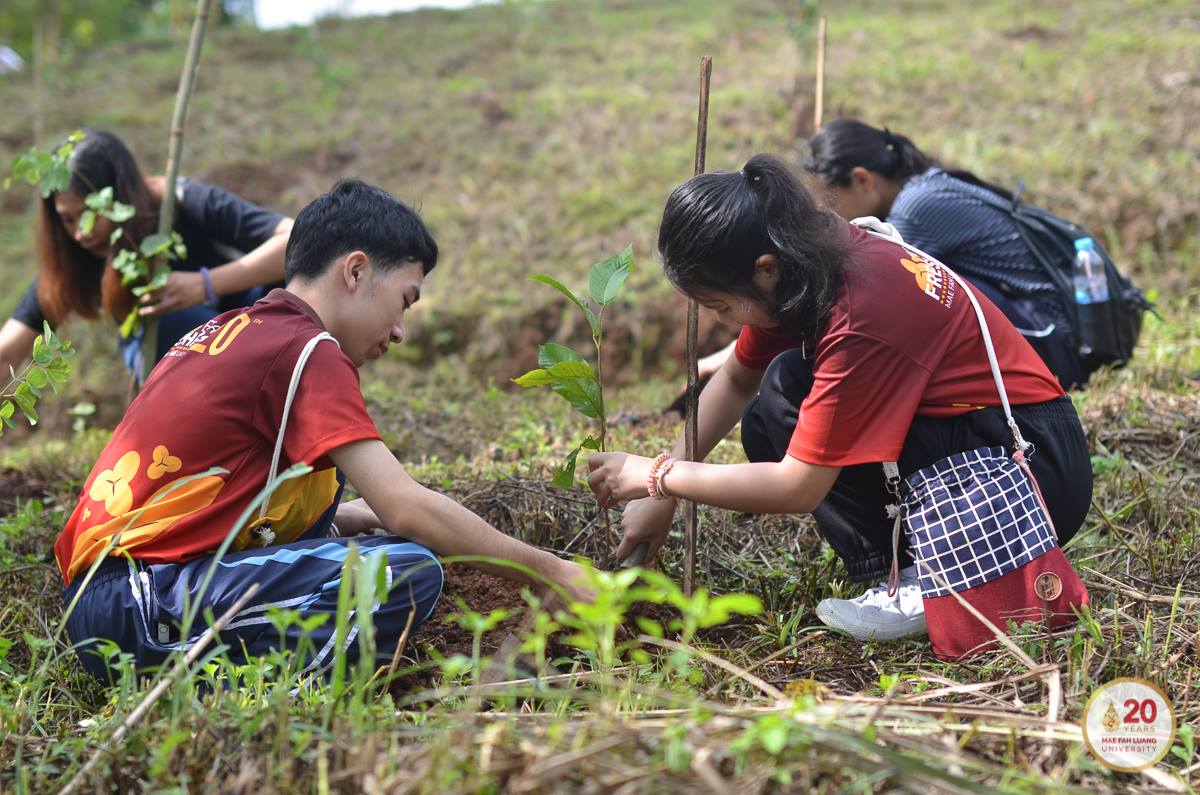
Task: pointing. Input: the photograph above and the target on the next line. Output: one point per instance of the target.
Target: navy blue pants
(853, 518)
(140, 606)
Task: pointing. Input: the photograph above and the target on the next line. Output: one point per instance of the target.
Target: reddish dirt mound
(16, 487)
(482, 593)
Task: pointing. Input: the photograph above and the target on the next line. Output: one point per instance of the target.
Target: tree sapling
(568, 373)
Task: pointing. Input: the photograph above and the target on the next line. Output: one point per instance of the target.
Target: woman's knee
(756, 439)
(770, 418)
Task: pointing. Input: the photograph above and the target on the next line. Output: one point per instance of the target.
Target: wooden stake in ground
(819, 99)
(693, 370)
(166, 214)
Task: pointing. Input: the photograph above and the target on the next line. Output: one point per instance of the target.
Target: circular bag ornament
(1047, 586)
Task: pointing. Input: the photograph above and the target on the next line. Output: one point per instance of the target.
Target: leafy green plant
(48, 170)
(478, 625)
(144, 267)
(567, 372)
(47, 369)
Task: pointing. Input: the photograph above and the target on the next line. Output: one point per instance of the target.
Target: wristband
(211, 300)
(660, 466)
(662, 474)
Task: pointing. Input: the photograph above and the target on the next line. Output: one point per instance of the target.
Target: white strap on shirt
(297, 371)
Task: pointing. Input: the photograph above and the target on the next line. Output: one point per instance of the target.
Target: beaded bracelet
(652, 475)
(662, 487)
(211, 300)
(661, 465)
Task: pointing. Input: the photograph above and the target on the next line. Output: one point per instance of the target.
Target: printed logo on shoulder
(932, 278)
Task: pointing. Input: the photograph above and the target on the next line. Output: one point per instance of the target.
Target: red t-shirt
(901, 340)
(216, 400)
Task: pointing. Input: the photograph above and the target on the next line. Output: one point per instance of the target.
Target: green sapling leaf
(87, 221)
(100, 200)
(593, 321)
(552, 353)
(721, 607)
(154, 245)
(38, 379)
(584, 395)
(157, 283)
(129, 266)
(59, 371)
(564, 476)
(607, 276)
(42, 352)
(130, 324)
(26, 402)
(119, 212)
(563, 371)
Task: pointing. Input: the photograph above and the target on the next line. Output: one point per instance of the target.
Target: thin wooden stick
(762, 685)
(166, 214)
(160, 688)
(819, 103)
(693, 331)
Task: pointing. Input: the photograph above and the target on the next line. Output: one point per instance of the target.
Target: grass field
(539, 137)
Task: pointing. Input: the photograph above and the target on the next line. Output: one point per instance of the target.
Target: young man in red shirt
(246, 396)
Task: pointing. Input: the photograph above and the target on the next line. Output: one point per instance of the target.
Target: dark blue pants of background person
(853, 517)
(140, 606)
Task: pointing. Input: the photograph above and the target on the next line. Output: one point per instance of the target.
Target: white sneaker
(877, 615)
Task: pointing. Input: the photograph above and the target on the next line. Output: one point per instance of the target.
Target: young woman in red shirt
(853, 351)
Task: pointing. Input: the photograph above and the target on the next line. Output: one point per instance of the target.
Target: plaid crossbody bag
(980, 532)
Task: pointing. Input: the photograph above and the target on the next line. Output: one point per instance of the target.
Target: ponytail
(845, 144)
(715, 227)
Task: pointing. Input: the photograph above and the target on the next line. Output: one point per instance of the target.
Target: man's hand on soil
(355, 518)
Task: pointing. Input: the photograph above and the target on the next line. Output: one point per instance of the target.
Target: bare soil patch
(16, 487)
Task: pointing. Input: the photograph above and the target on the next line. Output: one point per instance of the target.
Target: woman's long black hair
(716, 226)
(72, 280)
(845, 144)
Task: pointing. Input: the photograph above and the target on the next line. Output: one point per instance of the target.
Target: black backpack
(1103, 333)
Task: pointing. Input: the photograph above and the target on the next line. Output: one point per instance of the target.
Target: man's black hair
(355, 216)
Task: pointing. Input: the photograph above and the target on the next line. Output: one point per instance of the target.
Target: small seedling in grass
(568, 373)
(47, 369)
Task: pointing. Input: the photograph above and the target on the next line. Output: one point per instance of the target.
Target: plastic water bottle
(1091, 283)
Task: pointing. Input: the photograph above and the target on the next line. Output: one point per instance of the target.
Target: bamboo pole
(166, 214)
(693, 370)
(819, 103)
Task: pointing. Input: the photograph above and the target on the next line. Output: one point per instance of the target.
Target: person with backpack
(237, 402)
(1019, 256)
(234, 250)
(853, 351)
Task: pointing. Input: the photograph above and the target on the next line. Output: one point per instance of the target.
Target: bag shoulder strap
(891, 471)
(294, 385)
